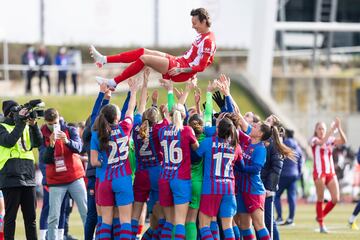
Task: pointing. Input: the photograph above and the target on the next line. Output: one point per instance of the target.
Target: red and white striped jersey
(323, 160)
(201, 53)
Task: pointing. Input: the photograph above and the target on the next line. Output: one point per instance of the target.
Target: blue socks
(125, 231)
(105, 232)
(116, 228)
(179, 232)
(206, 234)
(166, 231)
(229, 234)
(215, 230)
(134, 227)
(237, 232)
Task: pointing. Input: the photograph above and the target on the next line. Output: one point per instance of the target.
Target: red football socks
(329, 206)
(130, 71)
(319, 212)
(126, 57)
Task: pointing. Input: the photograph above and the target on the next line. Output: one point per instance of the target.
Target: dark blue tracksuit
(289, 175)
(357, 208)
(270, 175)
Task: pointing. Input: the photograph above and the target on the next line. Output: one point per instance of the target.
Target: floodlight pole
(260, 60)
(42, 28)
(156, 23)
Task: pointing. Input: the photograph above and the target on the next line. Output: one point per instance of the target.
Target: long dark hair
(103, 122)
(227, 129)
(197, 124)
(273, 132)
(149, 118)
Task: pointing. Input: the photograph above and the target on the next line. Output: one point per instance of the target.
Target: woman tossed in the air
(178, 69)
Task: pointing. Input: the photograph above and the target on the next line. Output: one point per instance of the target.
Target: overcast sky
(123, 22)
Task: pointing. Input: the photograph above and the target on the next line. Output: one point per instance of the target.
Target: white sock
(111, 83)
(98, 56)
(43, 234)
(352, 218)
(61, 234)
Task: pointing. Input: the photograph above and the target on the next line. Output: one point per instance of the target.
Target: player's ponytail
(283, 149)
(178, 115)
(102, 125)
(273, 132)
(227, 130)
(149, 118)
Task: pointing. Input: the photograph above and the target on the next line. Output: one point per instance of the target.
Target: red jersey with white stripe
(323, 160)
(201, 53)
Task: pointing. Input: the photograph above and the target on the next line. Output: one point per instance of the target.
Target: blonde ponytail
(144, 129)
(178, 116)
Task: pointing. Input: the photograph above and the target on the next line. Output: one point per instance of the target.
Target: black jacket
(270, 173)
(90, 170)
(18, 172)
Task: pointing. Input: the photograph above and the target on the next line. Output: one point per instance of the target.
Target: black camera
(34, 107)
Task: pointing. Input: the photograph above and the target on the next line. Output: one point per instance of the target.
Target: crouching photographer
(19, 134)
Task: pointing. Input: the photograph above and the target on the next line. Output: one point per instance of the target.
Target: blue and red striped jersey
(175, 146)
(219, 158)
(147, 151)
(253, 154)
(115, 159)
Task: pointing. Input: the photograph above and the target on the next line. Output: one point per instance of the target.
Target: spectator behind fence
(29, 58)
(64, 170)
(43, 59)
(61, 60)
(74, 61)
(18, 136)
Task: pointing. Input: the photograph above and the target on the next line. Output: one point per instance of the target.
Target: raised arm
(209, 103)
(197, 97)
(330, 132)
(168, 85)
(342, 138)
(189, 86)
(224, 83)
(155, 98)
(133, 85)
(144, 95)
(97, 104)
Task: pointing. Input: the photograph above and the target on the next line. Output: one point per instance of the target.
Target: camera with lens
(34, 107)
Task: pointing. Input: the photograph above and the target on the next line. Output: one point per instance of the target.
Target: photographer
(64, 170)
(18, 135)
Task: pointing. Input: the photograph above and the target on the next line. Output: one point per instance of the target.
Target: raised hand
(174, 71)
(103, 87)
(167, 84)
(178, 93)
(197, 95)
(192, 83)
(212, 85)
(133, 84)
(155, 97)
(146, 74)
(220, 101)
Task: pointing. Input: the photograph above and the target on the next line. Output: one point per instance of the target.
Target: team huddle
(197, 172)
(191, 168)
